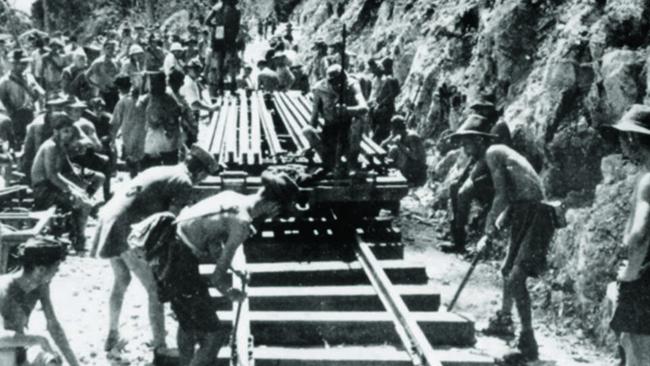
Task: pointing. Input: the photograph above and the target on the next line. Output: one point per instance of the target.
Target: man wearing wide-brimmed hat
(158, 189)
(102, 72)
(214, 228)
(20, 291)
(632, 311)
(473, 184)
(518, 196)
(18, 94)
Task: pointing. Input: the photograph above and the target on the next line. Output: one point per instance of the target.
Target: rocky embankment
(558, 70)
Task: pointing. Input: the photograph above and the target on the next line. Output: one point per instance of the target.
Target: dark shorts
(47, 195)
(531, 232)
(633, 307)
(176, 270)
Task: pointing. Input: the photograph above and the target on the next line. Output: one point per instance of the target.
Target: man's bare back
(513, 175)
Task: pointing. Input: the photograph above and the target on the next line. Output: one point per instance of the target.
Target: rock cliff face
(558, 69)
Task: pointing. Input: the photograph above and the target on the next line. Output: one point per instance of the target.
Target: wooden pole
(46, 17)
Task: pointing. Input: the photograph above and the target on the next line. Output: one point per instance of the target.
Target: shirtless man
(633, 306)
(212, 228)
(518, 203)
(53, 180)
(19, 293)
(157, 189)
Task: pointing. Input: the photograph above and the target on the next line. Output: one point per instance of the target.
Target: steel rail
(244, 156)
(256, 133)
(415, 342)
(243, 354)
(268, 126)
(229, 152)
(287, 118)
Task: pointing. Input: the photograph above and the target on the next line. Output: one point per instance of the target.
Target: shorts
(178, 280)
(47, 195)
(633, 307)
(531, 231)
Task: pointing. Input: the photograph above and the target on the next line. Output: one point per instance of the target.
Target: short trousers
(633, 307)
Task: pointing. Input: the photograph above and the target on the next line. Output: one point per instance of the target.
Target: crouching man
(19, 292)
(518, 202)
(212, 228)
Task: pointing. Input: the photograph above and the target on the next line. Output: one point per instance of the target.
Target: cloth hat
(135, 49)
(74, 102)
(280, 187)
(205, 157)
(61, 120)
(97, 102)
(334, 70)
(481, 105)
(319, 43)
(635, 120)
(387, 63)
(474, 125)
(57, 100)
(138, 26)
(398, 122)
(41, 251)
(18, 55)
(55, 42)
(176, 46)
(195, 63)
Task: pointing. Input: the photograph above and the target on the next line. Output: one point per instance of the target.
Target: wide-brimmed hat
(205, 157)
(176, 46)
(280, 187)
(41, 251)
(474, 126)
(135, 49)
(635, 120)
(319, 43)
(57, 100)
(482, 105)
(74, 102)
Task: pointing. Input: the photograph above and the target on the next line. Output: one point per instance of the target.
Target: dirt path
(482, 295)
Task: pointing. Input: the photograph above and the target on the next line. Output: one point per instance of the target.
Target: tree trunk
(149, 9)
(46, 17)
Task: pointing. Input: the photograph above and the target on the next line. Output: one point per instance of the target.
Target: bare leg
(209, 344)
(121, 281)
(516, 281)
(134, 260)
(186, 341)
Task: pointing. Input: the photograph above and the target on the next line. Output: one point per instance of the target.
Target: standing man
(173, 59)
(71, 72)
(518, 203)
(318, 67)
(162, 116)
(338, 136)
(630, 319)
(19, 94)
(40, 259)
(224, 18)
(102, 73)
(130, 124)
(267, 79)
(382, 104)
(213, 228)
(158, 189)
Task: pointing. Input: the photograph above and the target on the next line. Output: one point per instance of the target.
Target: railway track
(329, 284)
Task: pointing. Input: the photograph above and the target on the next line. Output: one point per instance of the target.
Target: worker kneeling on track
(212, 228)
